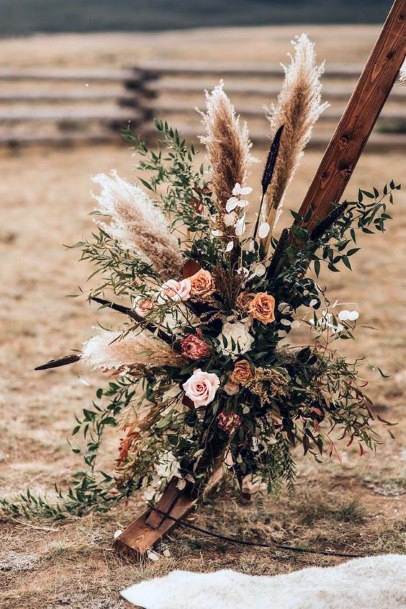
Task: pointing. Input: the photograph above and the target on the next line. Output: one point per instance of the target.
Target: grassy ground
(352, 506)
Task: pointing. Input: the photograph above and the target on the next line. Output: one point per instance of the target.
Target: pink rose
(175, 290)
(228, 421)
(194, 347)
(201, 387)
(144, 306)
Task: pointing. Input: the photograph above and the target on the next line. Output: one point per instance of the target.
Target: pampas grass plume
(298, 107)
(138, 224)
(227, 143)
(113, 351)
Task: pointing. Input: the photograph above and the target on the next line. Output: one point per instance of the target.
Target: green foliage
(293, 397)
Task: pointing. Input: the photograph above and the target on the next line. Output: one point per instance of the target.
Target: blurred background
(72, 74)
(23, 17)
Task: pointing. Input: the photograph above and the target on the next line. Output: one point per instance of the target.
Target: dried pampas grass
(228, 145)
(298, 107)
(138, 224)
(113, 351)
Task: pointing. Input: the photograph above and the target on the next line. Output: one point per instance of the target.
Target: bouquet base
(149, 528)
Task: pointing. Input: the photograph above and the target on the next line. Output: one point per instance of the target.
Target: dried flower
(202, 284)
(268, 384)
(298, 108)
(242, 372)
(228, 146)
(201, 387)
(228, 422)
(137, 223)
(112, 351)
(194, 347)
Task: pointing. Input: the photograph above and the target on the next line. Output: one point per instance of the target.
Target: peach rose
(202, 284)
(228, 421)
(175, 290)
(201, 387)
(262, 307)
(242, 373)
(144, 306)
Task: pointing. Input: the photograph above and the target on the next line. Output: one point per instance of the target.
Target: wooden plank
(69, 115)
(139, 537)
(377, 142)
(164, 107)
(67, 96)
(11, 140)
(247, 89)
(70, 75)
(359, 118)
(156, 67)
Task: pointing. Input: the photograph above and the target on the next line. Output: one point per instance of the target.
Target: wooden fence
(67, 106)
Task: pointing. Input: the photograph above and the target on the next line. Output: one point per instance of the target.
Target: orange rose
(202, 284)
(244, 300)
(242, 373)
(262, 307)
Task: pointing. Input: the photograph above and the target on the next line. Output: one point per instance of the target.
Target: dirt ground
(352, 506)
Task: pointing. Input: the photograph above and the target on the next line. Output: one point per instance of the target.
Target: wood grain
(359, 118)
(150, 527)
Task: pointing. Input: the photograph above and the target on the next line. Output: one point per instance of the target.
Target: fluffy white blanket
(364, 583)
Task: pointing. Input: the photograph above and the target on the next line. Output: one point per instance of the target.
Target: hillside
(24, 17)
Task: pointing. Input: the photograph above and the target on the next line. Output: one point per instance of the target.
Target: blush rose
(175, 290)
(201, 387)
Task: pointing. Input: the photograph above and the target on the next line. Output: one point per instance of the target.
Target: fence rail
(62, 106)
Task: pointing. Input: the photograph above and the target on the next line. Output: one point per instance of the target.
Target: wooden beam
(359, 118)
(141, 535)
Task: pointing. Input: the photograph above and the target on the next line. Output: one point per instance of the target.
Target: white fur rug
(364, 583)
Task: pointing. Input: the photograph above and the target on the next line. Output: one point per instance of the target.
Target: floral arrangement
(204, 374)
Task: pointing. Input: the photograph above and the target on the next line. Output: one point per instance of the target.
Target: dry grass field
(354, 506)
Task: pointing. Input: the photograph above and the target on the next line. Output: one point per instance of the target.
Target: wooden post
(359, 118)
(327, 187)
(151, 526)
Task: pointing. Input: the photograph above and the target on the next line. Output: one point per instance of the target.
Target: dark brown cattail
(328, 222)
(271, 160)
(56, 363)
(143, 322)
(277, 255)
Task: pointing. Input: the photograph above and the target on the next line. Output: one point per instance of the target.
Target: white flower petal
(230, 219)
(232, 204)
(246, 190)
(260, 270)
(237, 189)
(243, 203)
(344, 315)
(313, 302)
(240, 227)
(263, 230)
(230, 246)
(353, 316)
(286, 322)
(217, 233)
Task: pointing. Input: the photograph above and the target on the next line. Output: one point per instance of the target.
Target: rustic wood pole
(359, 118)
(328, 185)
